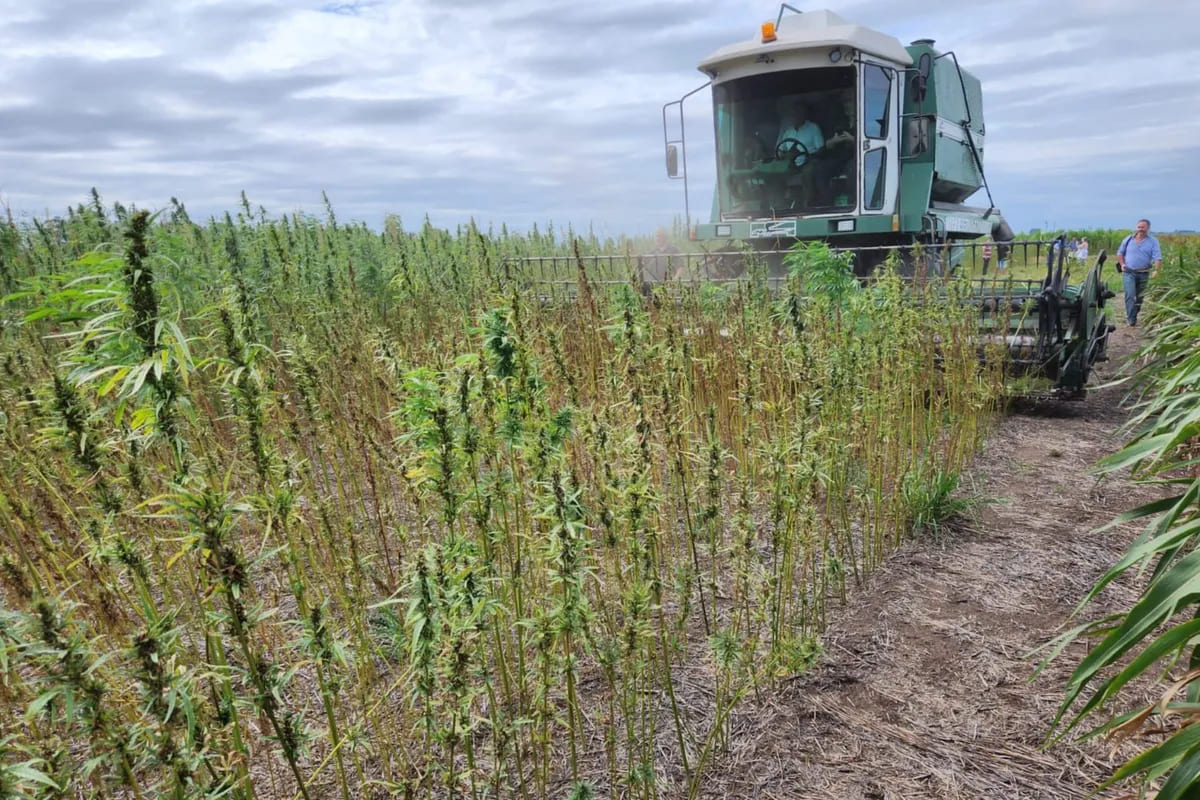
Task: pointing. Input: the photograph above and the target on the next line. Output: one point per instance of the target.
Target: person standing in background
(1138, 258)
(661, 263)
(1002, 251)
(987, 255)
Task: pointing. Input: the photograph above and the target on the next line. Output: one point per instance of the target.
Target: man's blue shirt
(1140, 255)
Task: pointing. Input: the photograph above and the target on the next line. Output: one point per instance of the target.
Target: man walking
(1139, 258)
(658, 265)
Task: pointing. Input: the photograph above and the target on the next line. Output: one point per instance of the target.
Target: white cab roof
(812, 30)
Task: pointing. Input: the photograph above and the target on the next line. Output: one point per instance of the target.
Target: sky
(524, 111)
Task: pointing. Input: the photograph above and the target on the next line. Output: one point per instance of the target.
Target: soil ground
(925, 691)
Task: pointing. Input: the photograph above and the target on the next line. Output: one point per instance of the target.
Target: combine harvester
(829, 131)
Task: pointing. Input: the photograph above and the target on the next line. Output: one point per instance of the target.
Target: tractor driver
(798, 127)
(799, 139)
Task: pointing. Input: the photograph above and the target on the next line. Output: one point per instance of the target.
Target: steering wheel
(791, 149)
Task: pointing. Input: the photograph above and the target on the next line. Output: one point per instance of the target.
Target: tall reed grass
(1154, 642)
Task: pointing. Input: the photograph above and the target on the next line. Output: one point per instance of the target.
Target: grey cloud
(70, 81)
(1119, 194)
(1104, 32)
(1034, 108)
(568, 20)
(66, 18)
(353, 8)
(641, 52)
(382, 112)
(215, 24)
(52, 131)
(86, 104)
(119, 124)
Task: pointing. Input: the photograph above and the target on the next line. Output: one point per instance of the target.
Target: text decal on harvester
(778, 227)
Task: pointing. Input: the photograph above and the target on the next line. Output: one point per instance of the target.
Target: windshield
(785, 143)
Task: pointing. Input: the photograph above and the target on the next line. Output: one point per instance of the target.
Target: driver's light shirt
(809, 134)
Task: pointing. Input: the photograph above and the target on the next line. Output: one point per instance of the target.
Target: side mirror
(921, 83)
(920, 87)
(672, 161)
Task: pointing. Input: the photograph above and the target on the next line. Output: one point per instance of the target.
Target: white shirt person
(796, 125)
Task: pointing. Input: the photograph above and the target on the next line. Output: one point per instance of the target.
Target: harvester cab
(828, 130)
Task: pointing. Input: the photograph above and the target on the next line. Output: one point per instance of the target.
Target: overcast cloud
(544, 110)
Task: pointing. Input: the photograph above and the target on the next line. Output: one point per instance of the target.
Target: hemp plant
(128, 346)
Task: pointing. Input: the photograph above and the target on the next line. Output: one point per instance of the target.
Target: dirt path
(924, 692)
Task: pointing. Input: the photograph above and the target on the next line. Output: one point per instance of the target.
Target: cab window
(877, 92)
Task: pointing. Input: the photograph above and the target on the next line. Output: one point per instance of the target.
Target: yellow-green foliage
(290, 507)
(1156, 638)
